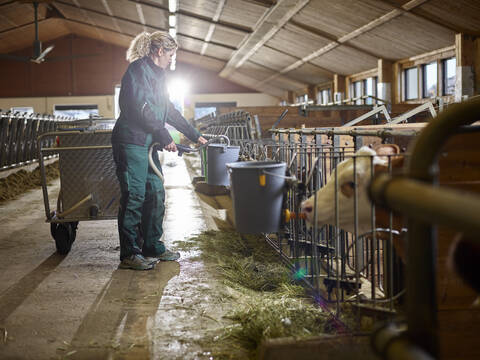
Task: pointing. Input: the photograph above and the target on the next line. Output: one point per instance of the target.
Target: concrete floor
(81, 306)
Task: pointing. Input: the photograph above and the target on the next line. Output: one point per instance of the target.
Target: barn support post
(465, 51)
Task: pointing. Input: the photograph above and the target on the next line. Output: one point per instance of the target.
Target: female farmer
(144, 110)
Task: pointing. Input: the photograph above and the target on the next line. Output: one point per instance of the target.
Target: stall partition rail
(18, 136)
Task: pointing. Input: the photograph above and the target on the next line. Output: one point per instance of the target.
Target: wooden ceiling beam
(275, 18)
(100, 35)
(285, 53)
(211, 28)
(122, 33)
(7, 3)
(7, 20)
(408, 6)
(22, 26)
(297, 83)
(330, 37)
(110, 13)
(421, 14)
(266, 3)
(141, 16)
(140, 24)
(236, 27)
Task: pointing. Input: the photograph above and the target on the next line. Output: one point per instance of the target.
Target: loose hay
(22, 181)
(266, 302)
(245, 261)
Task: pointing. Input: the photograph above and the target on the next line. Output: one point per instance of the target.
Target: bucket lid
(256, 165)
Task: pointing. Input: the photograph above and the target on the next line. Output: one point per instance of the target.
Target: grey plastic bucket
(218, 156)
(257, 208)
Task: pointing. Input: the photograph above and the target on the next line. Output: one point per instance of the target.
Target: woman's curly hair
(146, 44)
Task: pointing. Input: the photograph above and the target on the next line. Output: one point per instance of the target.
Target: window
(22, 109)
(449, 70)
(302, 99)
(78, 112)
(357, 92)
(411, 83)
(202, 109)
(370, 86)
(430, 80)
(325, 96)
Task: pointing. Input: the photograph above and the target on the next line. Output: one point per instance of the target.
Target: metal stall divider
(343, 267)
(427, 204)
(340, 266)
(18, 134)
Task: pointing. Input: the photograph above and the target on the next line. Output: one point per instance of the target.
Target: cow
(347, 185)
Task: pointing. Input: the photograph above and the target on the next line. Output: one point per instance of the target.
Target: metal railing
(356, 267)
(427, 204)
(18, 135)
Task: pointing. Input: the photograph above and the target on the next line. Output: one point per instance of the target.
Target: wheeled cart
(89, 188)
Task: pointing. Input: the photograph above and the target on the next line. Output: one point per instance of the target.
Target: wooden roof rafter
(330, 37)
(419, 13)
(228, 25)
(140, 24)
(351, 35)
(269, 25)
(211, 28)
(294, 82)
(110, 13)
(141, 16)
(87, 17)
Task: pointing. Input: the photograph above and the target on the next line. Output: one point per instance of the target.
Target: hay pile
(266, 301)
(22, 181)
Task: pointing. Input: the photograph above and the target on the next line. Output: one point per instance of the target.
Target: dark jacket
(145, 107)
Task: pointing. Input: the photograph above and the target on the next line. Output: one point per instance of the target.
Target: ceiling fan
(38, 55)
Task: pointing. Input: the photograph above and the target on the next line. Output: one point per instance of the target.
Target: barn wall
(82, 66)
(44, 105)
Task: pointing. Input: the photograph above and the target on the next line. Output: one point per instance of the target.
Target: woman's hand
(171, 146)
(201, 140)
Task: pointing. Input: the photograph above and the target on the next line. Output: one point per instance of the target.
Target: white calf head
(325, 196)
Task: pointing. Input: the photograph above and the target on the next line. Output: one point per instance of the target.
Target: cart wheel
(64, 235)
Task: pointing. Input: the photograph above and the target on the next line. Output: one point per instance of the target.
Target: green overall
(142, 203)
(144, 110)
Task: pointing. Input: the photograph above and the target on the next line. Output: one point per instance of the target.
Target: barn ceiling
(268, 45)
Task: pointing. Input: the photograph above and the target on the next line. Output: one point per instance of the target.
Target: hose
(152, 164)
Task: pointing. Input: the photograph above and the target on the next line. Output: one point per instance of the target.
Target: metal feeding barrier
(426, 204)
(359, 263)
(18, 136)
(358, 253)
(358, 267)
(238, 126)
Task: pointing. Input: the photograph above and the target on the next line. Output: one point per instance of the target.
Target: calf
(325, 196)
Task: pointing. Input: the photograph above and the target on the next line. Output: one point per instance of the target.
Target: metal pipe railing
(18, 136)
(421, 255)
(383, 132)
(438, 205)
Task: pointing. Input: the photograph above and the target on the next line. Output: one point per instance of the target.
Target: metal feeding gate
(361, 265)
(18, 136)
